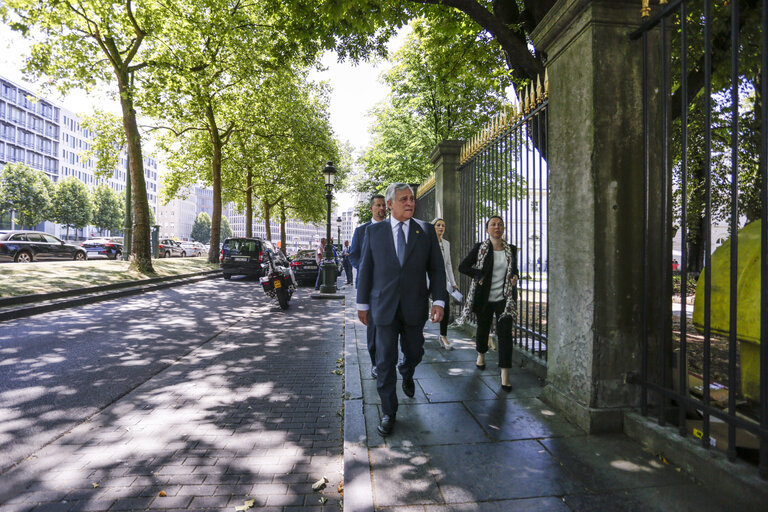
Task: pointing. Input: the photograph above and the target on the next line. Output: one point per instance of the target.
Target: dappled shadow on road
(251, 413)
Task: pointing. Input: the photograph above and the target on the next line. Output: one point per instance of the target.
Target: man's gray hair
(394, 187)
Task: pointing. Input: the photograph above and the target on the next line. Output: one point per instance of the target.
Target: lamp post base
(329, 278)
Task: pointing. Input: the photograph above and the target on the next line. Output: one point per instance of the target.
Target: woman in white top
(492, 265)
(450, 281)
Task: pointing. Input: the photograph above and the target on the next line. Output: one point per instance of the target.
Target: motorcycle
(279, 283)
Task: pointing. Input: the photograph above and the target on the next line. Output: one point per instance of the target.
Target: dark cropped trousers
(503, 331)
(446, 318)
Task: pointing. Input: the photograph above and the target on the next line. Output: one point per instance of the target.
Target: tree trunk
(282, 228)
(267, 224)
(141, 258)
(213, 255)
(248, 204)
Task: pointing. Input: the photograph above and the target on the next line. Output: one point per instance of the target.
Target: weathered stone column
(445, 159)
(596, 208)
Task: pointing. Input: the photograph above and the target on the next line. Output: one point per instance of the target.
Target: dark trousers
(412, 346)
(319, 279)
(503, 331)
(446, 318)
(371, 339)
(348, 270)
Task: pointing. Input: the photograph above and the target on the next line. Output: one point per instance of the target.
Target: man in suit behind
(378, 213)
(397, 257)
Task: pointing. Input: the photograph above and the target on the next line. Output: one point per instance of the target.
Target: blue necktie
(400, 243)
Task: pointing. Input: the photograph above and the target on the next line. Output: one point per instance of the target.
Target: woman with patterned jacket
(492, 265)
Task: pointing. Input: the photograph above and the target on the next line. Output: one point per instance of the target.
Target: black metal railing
(504, 172)
(705, 85)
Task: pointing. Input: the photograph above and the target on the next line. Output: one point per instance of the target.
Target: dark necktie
(400, 243)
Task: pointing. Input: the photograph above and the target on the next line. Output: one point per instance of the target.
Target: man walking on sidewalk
(396, 259)
(378, 213)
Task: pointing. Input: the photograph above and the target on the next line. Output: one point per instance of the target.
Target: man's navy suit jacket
(356, 247)
(384, 285)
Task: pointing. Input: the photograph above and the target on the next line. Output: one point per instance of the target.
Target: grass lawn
(24, 279)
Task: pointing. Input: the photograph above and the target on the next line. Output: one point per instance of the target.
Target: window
(19, 237)
(35, 237)
(51, 239)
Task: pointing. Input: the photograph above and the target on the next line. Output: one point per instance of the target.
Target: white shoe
(445, 343)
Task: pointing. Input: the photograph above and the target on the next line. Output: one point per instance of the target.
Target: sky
(355, 91)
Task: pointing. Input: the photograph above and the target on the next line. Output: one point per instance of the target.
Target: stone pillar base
(591, 420)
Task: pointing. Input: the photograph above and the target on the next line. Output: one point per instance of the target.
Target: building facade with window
(50, 138)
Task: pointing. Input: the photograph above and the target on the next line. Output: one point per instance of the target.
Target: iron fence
(504, 172)
(705, 367)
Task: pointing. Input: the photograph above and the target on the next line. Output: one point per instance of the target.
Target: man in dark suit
(378, 213)
(397, 258)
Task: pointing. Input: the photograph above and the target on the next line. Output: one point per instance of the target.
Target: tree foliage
(26, 193)
(226, 229)
(444, 84)
(108, 209)
(201, 229)
(107, 143)
(80, 44)
(72, 206)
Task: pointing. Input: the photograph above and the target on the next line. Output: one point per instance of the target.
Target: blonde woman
(492, 265)
(450, 281)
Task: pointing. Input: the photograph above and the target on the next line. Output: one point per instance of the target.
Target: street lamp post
(329, 265)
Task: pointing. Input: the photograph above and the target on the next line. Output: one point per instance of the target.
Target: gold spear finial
(645, 10)
(539, 91)
(546, 84)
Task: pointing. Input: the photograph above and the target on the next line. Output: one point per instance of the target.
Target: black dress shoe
(481, 366)
(409, 388)
(506, 387)
(386, 425)
(374, 372)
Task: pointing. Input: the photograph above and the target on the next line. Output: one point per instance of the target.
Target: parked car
(167, 248)
(28, 246)
(304, 266)
(111, 247)
(244, 256)
(194, 248)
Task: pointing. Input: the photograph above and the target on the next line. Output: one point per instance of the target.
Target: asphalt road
(59, 369)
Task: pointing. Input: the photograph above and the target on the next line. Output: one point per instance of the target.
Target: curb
(358, 489)
(94, 294)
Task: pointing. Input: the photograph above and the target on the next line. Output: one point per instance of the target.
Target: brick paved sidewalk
(252, 414)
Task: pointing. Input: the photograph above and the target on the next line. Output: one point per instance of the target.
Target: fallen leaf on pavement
(322, 499)
(250, 502)
(162, 494)
(95, 484)
(340, 488)
(320, 484)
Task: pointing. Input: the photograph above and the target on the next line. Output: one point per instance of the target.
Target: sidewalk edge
(358, 490)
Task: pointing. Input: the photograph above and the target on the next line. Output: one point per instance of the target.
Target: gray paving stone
(402, 476)
(371, 396)
(132, 504)
(689, 497)
(498, 471)
(520, 418)
(522, 505)
(428, 424)
(59, 506)
(455, 389)
(171, 502)
(612, 462)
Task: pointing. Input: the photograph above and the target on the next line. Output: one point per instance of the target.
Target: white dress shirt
(406, 226)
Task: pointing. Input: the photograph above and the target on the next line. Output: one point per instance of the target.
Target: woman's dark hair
(493, 217)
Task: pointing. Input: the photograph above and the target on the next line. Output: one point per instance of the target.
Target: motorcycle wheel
(282, 298)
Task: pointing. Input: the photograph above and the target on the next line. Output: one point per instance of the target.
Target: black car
(112, 247)
(27, 246)
(304, 266)
(243, 256)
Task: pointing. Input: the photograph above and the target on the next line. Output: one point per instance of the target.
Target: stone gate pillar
(445, 159)
(596, 208)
